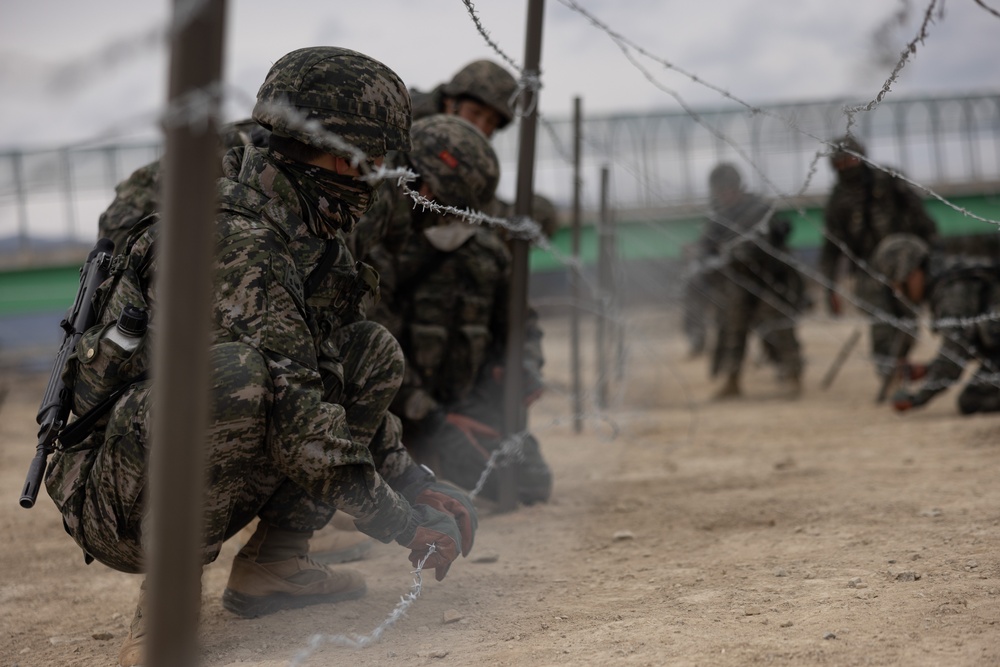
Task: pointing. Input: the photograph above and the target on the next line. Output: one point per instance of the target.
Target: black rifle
(56, 402)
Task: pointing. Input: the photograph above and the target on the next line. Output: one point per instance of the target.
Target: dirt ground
(822, 531)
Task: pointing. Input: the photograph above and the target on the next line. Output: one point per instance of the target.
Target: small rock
(24, 651)
(780, 572)
(853, 583)
(932, 512)
(907, 575)
(486, 557)
(971, 565)
(752, 611)
(451, 616)
(829, 635)
(787, 624)
(622, 535)
(102, 636)
(438, 654)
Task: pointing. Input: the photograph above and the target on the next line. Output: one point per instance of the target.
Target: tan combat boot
(731, 388)
(339, 542)
(274, 572)
(133, 652)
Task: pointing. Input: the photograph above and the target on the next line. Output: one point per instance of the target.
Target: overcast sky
(74, 71)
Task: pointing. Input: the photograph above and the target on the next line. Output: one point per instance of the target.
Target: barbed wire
(908, 51)
(982, 4)
(364, 641)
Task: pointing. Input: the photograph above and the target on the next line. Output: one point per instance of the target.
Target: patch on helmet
(448, 159)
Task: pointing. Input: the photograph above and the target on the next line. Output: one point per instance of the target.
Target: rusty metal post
(180, 363)
(603, 292)
(575, 277)
(514, 414)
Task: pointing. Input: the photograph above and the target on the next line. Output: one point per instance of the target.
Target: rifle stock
(56, 402)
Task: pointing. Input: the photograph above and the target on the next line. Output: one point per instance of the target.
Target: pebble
(907, 575)
(451, 616)
(780, 572)
(102, 636)
(787, 624)
(438, 654)
(623, 535)
(830, 635)
(856, 582)
(486, 557)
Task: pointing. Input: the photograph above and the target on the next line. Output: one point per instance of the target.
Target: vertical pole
(180, 363)
(603, 294)
(514, 413)
(17, 159)
(66, 168)
(577, 288)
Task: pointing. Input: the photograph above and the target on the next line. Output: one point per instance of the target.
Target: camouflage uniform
(757, 290)
(963, 296)
(453, 333)
(139, 194)
(867, 205)
(300, 383)
(482, 80)
(445, 298)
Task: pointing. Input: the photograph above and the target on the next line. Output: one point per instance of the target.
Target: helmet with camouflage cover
(348, 93)
(455, 160)
(488, 83)
(898, 255)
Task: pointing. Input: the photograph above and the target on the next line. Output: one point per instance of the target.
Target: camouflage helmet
(844, 144)
(898, 255)
(348, 93)
(487, 83)
(455, 160)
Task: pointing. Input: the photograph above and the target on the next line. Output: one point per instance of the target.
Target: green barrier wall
(53, 288)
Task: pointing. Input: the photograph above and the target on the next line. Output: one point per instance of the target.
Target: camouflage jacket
(135, 198)
(865, 208)
(963, 295)
(452, 297)
(264, 261)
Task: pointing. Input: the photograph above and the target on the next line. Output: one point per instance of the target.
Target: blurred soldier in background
(447, 304)
(866, 206)
(481, 93)
(756, 286)
(300, 386)
(963, 295)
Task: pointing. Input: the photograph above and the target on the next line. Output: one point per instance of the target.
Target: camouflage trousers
(242, 480)
(889, 342)
(700, 305)
(750, 305)
(455, 458)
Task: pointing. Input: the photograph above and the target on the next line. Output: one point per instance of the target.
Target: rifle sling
(83, 426)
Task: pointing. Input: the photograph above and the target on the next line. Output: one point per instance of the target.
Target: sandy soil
(826, 530)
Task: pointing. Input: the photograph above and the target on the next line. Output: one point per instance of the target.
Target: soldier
(757, 289)
(300, 386)
(448, 309)
(480, 93)
(963, 295)
(867, 205)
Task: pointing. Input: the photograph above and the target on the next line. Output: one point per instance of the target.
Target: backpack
(100, 369)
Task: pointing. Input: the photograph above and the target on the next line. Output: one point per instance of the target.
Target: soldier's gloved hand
(437, 528)
(471, 428)
(902, 401)
(833, 304)
(454, 502)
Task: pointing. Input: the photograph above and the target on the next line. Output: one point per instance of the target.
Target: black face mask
(336, 200)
